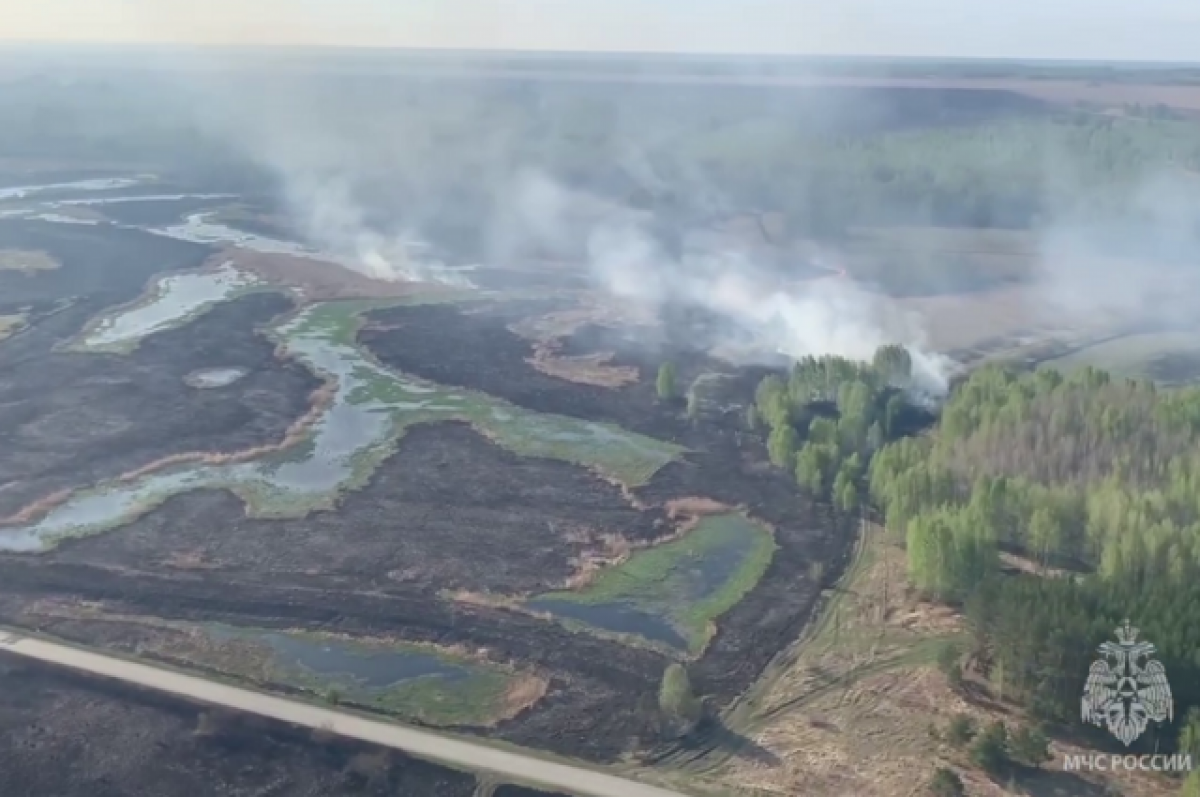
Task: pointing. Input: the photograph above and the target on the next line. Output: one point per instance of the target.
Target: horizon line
(435, 51)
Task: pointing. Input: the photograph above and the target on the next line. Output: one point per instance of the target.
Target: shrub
(990, 751)
(676, 698)
(961, 730)
(667, 388)
(946, 783)
(1030, 746)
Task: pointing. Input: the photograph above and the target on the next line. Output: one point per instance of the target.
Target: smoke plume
(825, 315)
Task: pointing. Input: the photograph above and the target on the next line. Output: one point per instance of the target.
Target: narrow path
(462, 754)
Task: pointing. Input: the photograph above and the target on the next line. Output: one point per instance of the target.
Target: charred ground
(446, 533)
(67, 735)
(71, 419)
(473, 346)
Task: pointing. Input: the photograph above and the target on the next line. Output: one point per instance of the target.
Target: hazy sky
(1080, 29)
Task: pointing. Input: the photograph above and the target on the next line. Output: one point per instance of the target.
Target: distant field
(965, 321)
(1183, 96)
(1168, 357)
(1177, 88)
(929, 261)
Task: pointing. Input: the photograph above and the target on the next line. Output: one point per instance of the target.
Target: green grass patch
(689, 582)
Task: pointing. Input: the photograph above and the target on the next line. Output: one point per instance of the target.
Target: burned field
(450, 510)
(411, 587)
(67, 735)
(73, 419)
(475, 346)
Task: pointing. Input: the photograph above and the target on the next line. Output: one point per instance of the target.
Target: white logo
(1122, 692)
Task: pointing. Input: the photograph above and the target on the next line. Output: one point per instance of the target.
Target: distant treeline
(831, 159)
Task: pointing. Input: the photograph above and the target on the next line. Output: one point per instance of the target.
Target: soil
(67, 735)
(449, 510)
(72, 419)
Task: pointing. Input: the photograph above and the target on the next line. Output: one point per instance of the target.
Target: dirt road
(421, 744)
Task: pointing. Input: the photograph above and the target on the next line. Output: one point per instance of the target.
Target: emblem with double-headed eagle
(1127, 687)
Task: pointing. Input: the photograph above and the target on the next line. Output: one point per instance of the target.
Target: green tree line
(829, 415)
(1092, 480)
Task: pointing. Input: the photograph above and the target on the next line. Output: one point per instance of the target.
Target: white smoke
(806, 317)
(327, 213)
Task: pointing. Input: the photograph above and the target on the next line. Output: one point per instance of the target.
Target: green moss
(689, 582)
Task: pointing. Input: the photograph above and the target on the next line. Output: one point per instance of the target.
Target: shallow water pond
(370, 666)
(685, 585)
(418, 682)
(172, 301)
(619, 618)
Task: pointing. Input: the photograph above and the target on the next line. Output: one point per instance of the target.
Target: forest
(1050, 508)
(1091, 481)
(826, 420)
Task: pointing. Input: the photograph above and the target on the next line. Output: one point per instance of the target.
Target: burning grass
(319, 280)
(591, 309)
(586, 369)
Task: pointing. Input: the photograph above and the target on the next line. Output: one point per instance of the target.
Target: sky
(1146, 30)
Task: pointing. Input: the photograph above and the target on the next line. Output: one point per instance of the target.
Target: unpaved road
(421, 744)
